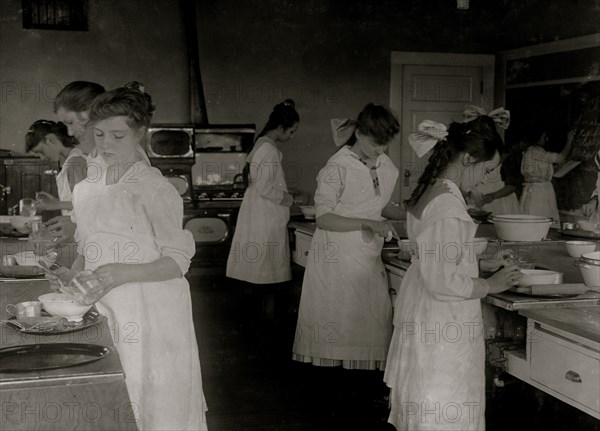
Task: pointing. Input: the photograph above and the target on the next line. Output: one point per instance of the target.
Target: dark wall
(333, 56)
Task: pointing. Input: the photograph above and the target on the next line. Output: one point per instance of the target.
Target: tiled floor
(251, 383)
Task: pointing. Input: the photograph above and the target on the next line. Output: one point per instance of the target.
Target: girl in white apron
(537, 167)
(72, 106)
(260, 247)
(498, 193)
(436, 359)
(129, 234)
(345, 311)
(51, 141)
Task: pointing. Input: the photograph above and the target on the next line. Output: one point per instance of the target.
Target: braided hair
(41, 128)
(479, 138)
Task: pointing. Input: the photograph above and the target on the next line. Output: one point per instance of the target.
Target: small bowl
(532, 277)
(64, 305)
(23, 223)
(308, 211)
(578, 248)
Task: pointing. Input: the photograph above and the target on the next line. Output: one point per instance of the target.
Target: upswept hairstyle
(479, 138)
(378, 122)
(284, 114)
(128, 101)
(41, 128)
(77, 96)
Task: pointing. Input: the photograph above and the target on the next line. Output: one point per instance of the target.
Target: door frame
(399, 59)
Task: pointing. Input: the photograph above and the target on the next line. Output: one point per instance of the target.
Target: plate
(39, 357)
(55, 325)
(18, 271)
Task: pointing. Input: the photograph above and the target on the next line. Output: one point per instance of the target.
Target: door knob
(407, 175)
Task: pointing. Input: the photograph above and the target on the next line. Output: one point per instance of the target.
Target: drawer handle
(573, 376)
(306, 253)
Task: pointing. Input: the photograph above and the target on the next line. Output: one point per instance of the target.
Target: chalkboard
(586, 141)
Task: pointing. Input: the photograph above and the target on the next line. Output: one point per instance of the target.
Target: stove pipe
(198, 114)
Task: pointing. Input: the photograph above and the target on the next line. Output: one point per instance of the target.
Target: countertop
(584, 322)
(550, 254)
(104, 370)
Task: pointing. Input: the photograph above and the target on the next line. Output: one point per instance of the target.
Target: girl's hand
(111, 275)
(589, 208)
(46, 202)
(504, 279)
(494, 263)
(382, 228)
(60, 279)
(62, 229)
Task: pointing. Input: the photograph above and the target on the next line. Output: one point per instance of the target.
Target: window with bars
(55, 14)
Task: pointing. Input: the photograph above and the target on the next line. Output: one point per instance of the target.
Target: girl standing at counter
(72, 106)
(260, 250)
(436, 359)
(537, 167)
(345, 314)
(51, 141)
(129, 233)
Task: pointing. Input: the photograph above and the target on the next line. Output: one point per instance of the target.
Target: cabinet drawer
(303, 241)
(394, 277)
(567, 368)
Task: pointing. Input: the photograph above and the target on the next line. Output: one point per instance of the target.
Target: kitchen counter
(85, 397)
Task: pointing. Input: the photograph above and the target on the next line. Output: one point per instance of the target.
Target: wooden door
(434, 87)
(26, 177)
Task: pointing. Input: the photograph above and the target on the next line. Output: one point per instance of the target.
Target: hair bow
(428, 134)
(500, 116)
(343, 129)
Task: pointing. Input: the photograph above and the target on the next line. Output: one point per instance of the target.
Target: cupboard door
(26, 177)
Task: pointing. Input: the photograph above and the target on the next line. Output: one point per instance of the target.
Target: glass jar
(90, 290)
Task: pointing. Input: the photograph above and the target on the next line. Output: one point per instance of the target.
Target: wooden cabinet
(23, 177)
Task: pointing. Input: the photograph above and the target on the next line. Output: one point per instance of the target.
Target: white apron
(62, 180)
(345, 310)
(436, 361)
(505, 205)
(260, 246)
(138, 220)
(539, 199)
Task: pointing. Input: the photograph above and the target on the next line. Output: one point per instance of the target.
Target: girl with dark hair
(130, 236)
(537, 167)
(259, 250)
(437, 354)
(345, 313)
(50, 140)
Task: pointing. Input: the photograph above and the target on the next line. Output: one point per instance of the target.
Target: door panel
(433, 86)
(437, 93)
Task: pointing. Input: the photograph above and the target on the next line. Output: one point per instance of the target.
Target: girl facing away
(435, 365)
